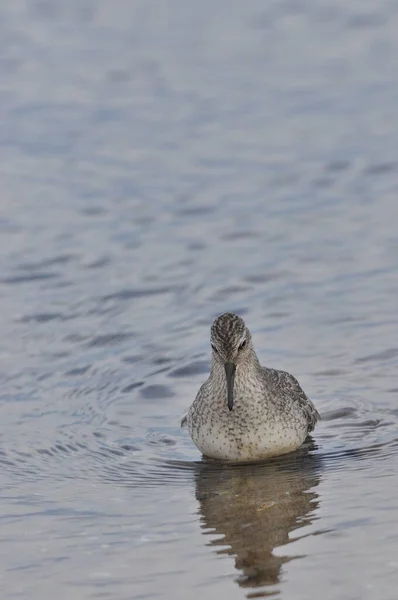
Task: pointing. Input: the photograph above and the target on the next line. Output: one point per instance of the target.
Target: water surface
(162, 163)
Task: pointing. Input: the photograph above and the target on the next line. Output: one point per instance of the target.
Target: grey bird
(245, 412)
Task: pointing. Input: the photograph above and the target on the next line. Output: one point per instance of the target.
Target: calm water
(161, 163)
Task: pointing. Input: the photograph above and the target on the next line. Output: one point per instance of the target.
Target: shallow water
(162, 163)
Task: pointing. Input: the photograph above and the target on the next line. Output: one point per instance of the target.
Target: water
(162, 163)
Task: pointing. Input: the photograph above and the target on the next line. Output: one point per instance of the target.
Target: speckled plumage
(271, 414)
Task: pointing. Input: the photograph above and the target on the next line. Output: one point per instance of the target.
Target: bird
(244, 412)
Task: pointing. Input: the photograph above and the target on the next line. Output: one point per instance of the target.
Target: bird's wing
(291, 389)
(203, 391)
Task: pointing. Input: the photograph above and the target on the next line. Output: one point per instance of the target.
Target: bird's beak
(230, 369)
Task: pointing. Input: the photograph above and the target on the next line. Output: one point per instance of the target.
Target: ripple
(32, 277)
(340, 413)
(264, 277)
(366, 21)
(228, 292)
(156, 392)
(338, 166)
(62, 259)
(330, 373)
(152, 461)
(240, 235)
(132, 386)
(109, 339)
(78, 371)
(380, 356)
(130, 294)
(380, 169)
(193, 211)
(341, 458)
(199, 367)
(42, 318)
(160, 439)
(99, 263)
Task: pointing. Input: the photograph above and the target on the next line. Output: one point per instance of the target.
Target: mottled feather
(287, 385)
(270, 413)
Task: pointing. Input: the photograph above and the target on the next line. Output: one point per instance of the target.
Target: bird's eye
(214, 348)
(242, 345)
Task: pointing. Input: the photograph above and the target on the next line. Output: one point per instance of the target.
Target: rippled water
(162, 163)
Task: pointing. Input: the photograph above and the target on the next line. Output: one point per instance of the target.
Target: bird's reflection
(255, 508)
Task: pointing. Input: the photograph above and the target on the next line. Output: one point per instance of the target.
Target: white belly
(235, 445)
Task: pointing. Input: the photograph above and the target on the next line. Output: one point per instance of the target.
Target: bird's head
(232, 347)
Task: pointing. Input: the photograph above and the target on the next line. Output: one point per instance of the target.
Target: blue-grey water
(160, 163)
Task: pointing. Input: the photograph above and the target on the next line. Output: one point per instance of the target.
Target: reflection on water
(255, 509)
